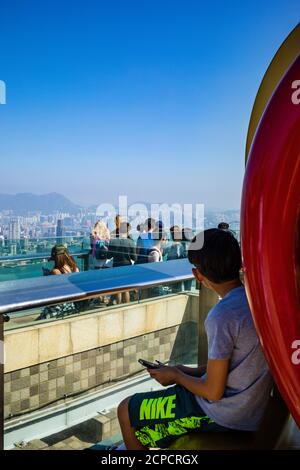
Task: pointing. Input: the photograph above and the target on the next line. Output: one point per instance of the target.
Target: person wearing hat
(64, 263)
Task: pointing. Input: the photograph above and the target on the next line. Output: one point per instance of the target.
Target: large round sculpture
(282, 60)
(270, 234)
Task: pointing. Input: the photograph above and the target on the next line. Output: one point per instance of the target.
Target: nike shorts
(160, 417)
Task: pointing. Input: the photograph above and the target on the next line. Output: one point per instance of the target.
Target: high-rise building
(24, 243)
(14, 230)
(13, 249)
(60, 228)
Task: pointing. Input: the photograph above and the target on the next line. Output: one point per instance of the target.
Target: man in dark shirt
(123, 252)
(122, 249)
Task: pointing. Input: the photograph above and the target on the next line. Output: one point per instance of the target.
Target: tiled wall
(40, 385)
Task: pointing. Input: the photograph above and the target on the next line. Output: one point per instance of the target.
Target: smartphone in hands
(149, 365)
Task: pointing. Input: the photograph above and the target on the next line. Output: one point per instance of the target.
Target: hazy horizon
(114, 202)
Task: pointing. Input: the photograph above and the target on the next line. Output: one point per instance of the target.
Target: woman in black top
(123, 252)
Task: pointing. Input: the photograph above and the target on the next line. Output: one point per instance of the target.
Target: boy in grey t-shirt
(231, 336)
(232, 390)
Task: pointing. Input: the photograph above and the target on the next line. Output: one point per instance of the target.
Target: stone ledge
(45, 342)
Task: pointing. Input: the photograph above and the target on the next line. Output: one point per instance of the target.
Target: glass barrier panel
(61, 311)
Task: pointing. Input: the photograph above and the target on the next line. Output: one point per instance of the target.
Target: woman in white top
(155, 254)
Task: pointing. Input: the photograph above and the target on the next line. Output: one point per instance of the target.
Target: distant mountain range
(23, 203)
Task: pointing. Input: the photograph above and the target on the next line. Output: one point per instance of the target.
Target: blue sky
(150, 99)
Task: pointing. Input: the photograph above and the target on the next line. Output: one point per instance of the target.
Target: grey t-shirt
(231, 335)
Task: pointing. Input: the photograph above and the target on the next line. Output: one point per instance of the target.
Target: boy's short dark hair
(223, 226)
(219, 259)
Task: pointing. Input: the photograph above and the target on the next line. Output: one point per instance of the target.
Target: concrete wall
(54, 361)
(48, 341)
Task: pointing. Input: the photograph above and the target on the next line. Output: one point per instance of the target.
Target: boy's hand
(165, 375)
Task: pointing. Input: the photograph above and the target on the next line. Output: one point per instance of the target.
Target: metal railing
(36, 292)
(37, 257)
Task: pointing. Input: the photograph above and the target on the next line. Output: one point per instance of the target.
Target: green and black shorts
(160, 417)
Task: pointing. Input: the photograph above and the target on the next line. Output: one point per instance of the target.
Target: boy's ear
(198, 275)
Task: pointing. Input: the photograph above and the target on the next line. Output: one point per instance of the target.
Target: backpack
(101, 249)
(151, 250)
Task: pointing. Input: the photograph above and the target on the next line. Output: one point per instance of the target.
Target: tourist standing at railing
(159, 226)
(100, 237)
(155, 253)
(187, 237)
(123, 252)
(145, 241)
(140, 229)
(128, 231)
(176, 248)
(116, 231)
(122, 249)
(64, 263)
